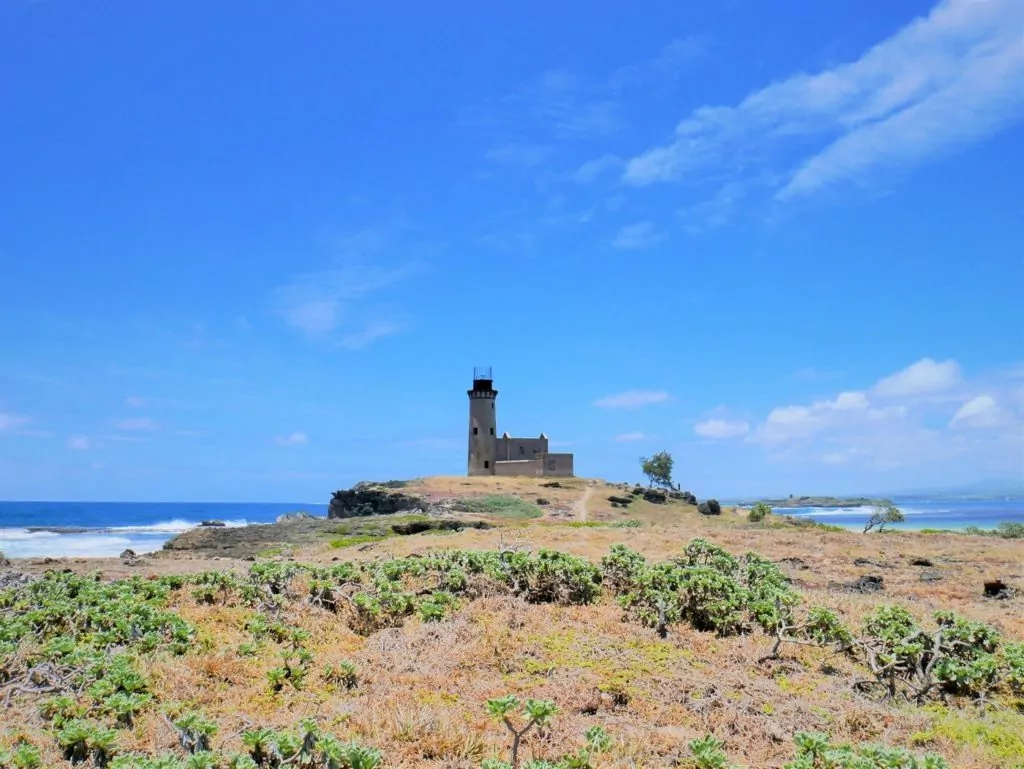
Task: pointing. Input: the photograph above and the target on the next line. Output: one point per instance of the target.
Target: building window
(522, 451)
(475, 431)
(492, 431)
(487, 465)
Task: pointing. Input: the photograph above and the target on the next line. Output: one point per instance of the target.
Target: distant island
(824, 502)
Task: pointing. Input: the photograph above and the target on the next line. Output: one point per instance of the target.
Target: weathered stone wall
(511, 449)
(533, 468)
(558, 465)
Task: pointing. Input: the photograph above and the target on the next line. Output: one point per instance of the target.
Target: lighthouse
(483, 421)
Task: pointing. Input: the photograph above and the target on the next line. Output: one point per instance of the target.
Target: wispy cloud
(136, 401)
(637, 236)
(137, 423)
(633, 399)
(79, 443)
(950, 78)
(294, 439)
(10, 421)
(636, 437)
(339, 296)
(356, 340)
(668, 66)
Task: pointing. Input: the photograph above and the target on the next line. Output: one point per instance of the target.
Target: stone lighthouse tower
(483, 420)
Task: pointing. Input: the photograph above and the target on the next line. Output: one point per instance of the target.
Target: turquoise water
(925, 513)
(103, 529)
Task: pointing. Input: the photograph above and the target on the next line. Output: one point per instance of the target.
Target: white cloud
(295, 439)
(980, 412)
(631, 437)
(138, 423)
(136, 401)
(633, 399)
(716, 427)
(79, 443)
(637, 236)
(922, 378)
(944, 80)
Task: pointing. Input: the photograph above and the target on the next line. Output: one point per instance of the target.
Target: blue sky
(252, 251)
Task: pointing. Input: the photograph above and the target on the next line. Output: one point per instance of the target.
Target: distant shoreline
(826, 502)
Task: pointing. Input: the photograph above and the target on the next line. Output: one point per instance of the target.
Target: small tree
(535, 713)
(658, 469)
(758, 512)
(882, 516)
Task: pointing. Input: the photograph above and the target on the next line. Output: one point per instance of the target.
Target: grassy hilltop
(633, 633)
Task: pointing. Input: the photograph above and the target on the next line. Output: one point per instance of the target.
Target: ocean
(105, 529)
(924, 513)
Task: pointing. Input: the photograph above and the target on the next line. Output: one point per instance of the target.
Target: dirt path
(581, 505)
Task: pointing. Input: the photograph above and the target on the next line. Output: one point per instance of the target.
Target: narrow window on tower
(476, 430)
(492, 431)
(486, 464)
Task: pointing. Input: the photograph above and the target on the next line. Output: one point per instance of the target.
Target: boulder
(920, 562)
(129, 557)
(617, 500)
(543, 502)
(213, 523)
(709, 507)
(299, 515)
(638, 491)
(996, 588)
(371, 499)
(656, 496)
(552, 485)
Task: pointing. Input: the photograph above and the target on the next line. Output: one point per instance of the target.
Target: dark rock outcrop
(213, 523)
(372, 499)
(709, 507)
(417, 527)
(655, 496)
(617, 500)
(683, 496)
(552, 485)
(920, 562)
(542, 502)
(869, 583)
(129, 557)
(996, 588)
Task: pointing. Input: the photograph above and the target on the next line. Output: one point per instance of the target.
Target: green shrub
(759, 512)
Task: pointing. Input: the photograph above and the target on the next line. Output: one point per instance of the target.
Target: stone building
(491, 454)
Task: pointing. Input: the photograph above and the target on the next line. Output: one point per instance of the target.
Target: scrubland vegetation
(493, 658)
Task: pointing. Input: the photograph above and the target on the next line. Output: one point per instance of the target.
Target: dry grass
(423, 686)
